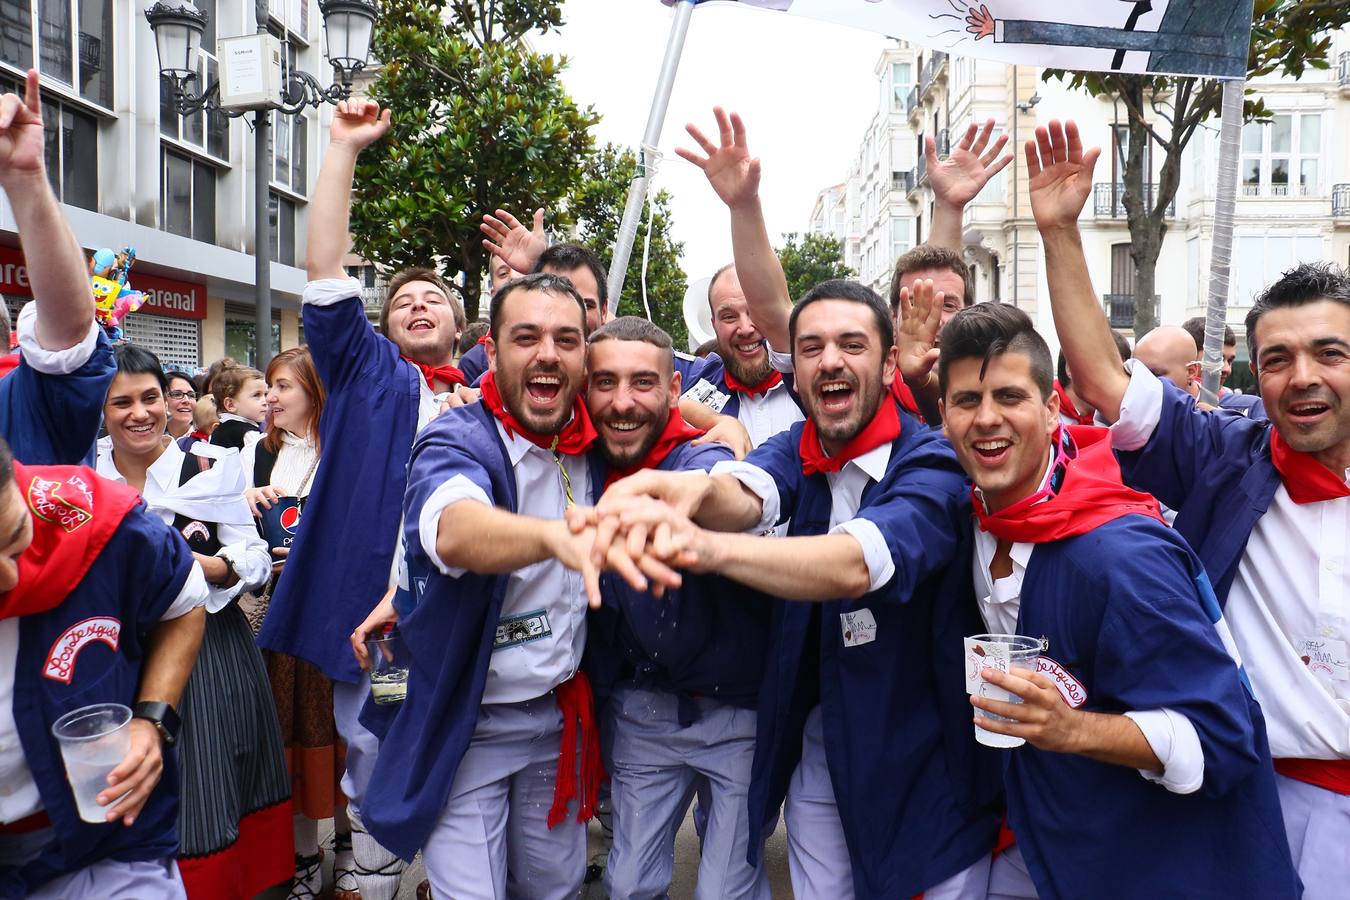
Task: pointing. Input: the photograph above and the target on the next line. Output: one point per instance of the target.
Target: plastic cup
(1021, 652)
(388, 668)
(93, 740)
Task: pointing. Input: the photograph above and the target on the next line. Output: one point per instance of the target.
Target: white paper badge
(1070, 688)
(981, 655)
(859, 627)
(1326, 658)
(706, 392)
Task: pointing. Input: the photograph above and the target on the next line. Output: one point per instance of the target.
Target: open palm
(21, 139)
(957, 179)
(1059, 174)
(731, 171)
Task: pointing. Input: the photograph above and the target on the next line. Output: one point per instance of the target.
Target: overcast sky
(806, 90)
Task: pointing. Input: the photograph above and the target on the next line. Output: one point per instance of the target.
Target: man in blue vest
(1265, 504)
(100, 602)
(51, 395)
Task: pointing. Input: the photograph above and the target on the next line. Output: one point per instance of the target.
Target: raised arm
(959, 178)
(356, 125)
(734, 175)
(1060, 174)
(510, 241)
(56, 266)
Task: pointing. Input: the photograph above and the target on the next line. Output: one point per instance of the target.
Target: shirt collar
(231, 417)
(1049, 467)
(518, 445)
(873, 463)
(163, 472)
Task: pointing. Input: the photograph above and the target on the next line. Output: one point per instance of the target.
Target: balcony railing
(1108, 199)
(913, 179)
(1120, 309)
(931, 68)
(902, 181)
(1340, 201)
(912, 101)
(944, 143)
(373, 297)
(921, 170)
(1343, 64)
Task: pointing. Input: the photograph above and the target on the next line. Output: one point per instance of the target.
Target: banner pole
(637, 189)
(1221, 253)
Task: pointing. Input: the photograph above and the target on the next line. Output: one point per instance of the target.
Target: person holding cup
(100, 621)
(1110, 650)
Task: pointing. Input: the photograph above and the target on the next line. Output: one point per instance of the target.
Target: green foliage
(819, 257)
(480, 121)
(597, 205)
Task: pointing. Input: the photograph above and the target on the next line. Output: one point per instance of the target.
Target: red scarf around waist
(1067, 408)
(578, 715)
(1330, 774)
(766, 384)
(575, 438)
(74, 515)
(676, 432)
(1306, 479)
(883, 429)
(1089, 493)
(451, 375)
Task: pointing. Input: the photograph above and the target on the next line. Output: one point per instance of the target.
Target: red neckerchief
(676, 432)
(75, 514)
(575, 438)
(483, 340)
(8, 363)
(1090, 494)
(1306, 479)
(901, 393)
(198, 435)
(577, 705)
(451, 375)
(770, 381)
(883, 429)
(1067, 408)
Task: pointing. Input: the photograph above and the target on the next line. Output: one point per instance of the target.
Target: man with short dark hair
(1133, 672)
(1266, 505)
(1073, 409)
(1248, 404)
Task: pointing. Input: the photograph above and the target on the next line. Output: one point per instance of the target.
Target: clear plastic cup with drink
(93, 740)
(1002, 652)
(388, 667)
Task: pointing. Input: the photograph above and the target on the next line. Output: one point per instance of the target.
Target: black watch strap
(162, 716)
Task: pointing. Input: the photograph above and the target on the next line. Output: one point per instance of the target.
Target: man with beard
(381, 390)
(683, 669)
(1265, 504)
(479, 765)
(1134, 674)
(863, 725)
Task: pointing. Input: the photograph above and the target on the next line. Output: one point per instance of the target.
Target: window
(71, 150)
(1120, 143)
(899, 237)
(281, 216)
(240, 329)
(1122, 270)
(16, 33)
(187, 197)
(902, 79)
(74, 41)
(288, 139)
(1258, 260)
(1282, 157)
(206, 131)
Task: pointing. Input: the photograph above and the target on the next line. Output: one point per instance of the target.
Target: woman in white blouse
(233, 822)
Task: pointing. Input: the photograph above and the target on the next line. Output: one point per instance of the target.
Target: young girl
(233, 820)
(282, 465)
(241, 401)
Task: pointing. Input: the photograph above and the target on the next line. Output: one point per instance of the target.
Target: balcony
(1108, 200)
(902, 181)
(1340, 201)
(1119, 309)
(921, 171)
(913, 178)
(933, 67)
(912, 101)
(373, 297)
(944, 143)
(1343, 67)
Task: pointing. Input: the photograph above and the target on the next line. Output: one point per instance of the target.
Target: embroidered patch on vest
(60, 664)
(1070, 688)
(68, 503)
(196, 530)
(706, 392)
(522, 629)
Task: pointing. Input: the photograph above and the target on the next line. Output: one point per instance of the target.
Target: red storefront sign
(164, 296)
(14, 273)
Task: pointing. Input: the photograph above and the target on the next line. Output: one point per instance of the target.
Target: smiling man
(1134, 674)
(1266, 505)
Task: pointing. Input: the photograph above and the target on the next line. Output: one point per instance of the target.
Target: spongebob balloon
(114, 299)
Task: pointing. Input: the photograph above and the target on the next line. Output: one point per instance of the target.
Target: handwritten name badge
(859, 627)
(1326, 658)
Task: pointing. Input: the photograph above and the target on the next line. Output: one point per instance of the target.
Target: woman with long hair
(233, 819)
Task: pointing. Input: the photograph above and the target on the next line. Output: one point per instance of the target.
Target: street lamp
(178, 27)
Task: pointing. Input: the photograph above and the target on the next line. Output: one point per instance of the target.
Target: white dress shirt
(44, 360)
(1290, 599)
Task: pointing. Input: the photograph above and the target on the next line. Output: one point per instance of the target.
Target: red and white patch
(68, 503)
(60, 664)
(1070, 688)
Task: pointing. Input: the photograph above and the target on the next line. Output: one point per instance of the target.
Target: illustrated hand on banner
(1170, 37)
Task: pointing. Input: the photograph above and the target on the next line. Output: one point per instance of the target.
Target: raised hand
(358, 123)
(916, 336)
(1059, 175)
(731, 171)
(21, 140)
(957, 179)
(980, 22)
(518, 246)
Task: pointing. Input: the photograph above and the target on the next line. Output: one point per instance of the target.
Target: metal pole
(1225, 207)
(637, 189)
(262, 242)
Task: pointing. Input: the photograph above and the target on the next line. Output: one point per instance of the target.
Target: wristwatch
(162, 716)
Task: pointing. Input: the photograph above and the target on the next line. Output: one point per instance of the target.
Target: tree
(597, 204)
(480, 121)
(1289, 37)
(817, 258)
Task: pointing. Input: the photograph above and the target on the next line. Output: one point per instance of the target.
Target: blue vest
(339, 565)
(134, 580)
(918, 798)
(474, 363)
(53, 420)
(1135, 632)
(1249, 405)
(712, 370)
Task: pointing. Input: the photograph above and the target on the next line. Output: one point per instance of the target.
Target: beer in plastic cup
(1002, 652)
(93, 740)
(388, 667)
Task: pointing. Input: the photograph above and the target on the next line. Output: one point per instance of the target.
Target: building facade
(1293, 204)
(131, 172)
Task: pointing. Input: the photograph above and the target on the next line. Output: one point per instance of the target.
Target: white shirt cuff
(429, 519)
(52, 362)
(1174, 741)
(192, 595)
(759, 482)
(327, 291)
(250, 560)
(1140, 409)
(998, 31)
(782, 362)
(880, 565)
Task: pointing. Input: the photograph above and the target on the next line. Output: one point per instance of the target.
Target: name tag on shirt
(513, 631)
(1070, 688)
(1326, 658)
(859, 627)
(706, 392)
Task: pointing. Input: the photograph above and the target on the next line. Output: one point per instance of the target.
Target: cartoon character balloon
(114, 299)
